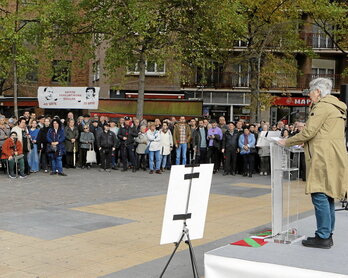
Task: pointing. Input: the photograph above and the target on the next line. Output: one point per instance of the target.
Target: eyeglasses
(85, 128)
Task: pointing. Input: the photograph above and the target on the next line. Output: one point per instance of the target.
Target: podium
(285, 170)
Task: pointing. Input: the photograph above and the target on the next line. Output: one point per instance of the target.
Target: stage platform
(280, 260)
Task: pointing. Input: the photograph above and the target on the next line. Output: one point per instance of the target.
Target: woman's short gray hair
(324, 85)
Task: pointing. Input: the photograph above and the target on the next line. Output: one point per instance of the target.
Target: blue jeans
(157, 156)
(56, 162)
(33, 159)
(164, 159)
(181, 150)
(325, 214)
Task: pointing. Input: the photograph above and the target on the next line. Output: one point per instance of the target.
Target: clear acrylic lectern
(286, 185)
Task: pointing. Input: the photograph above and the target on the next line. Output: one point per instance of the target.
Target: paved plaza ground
(93, 224)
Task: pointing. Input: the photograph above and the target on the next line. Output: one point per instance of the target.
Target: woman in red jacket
(12, 150)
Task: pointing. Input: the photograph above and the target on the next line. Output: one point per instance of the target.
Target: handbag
(91, 156)
(51, 149)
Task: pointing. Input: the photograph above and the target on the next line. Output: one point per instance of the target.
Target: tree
(270, 30)
(332, 19)
(137, 31)
(17, 36)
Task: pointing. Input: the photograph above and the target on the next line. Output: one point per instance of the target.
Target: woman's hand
(282, 142)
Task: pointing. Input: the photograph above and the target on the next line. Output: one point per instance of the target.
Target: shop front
(231, 105)
(290, 109)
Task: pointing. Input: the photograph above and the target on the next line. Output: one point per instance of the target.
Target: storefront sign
(292, 101)
(68, 97)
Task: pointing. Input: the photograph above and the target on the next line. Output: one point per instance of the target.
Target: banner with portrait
(68, 97)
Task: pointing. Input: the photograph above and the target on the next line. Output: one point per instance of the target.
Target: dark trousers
(82, 157)
(230, 160)
(44, 160)
(240, 162)
(97, 153)
(264, 164)
(127, 155)
(201, 157)
(213, 157)
(26, 164)
(69, 157)
(105, 158)
(141, 161)
(173, 156)
(248, 163)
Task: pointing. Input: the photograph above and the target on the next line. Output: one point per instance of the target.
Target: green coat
(70, 134)
(325, 150)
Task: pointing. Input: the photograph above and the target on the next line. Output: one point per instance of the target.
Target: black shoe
(53, 173)
(233, 173)
(225, 174)
(330, 238)
(250, 175)
(62, 174)
(151, 172)
(115, 168)
(22, 176)
(124, 170)
(318, 242)
(245, 174)
(158, 172)
(214, 171)
(12, 176)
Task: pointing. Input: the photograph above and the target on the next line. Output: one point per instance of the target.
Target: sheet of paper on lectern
(177, 196)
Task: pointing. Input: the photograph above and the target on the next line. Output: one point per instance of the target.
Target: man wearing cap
(106, 143)
(85, 121)
(12, 150)
(127, 135)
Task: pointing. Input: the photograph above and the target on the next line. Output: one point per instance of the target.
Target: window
(240, 75)
(325, 73)
(61, 71)
(320, 39)
(96, 71)
(151, 68)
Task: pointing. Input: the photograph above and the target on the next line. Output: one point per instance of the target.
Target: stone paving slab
(55, 223)
(92, 224)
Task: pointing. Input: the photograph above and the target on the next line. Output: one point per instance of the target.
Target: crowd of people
(50, 144)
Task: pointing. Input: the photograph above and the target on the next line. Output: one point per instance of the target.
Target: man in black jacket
(200, 143)
(42, 144)
(126, 134)
(229, 148)
(96, 130)
(106, 143)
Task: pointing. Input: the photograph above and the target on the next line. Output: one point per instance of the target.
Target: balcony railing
(318, 40)
(230, 80)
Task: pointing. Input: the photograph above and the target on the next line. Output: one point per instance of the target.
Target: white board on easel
(176, 202)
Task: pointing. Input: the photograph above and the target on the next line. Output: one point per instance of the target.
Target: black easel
(344, 203)
(185, 230)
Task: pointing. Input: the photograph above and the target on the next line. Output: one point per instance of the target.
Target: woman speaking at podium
(326, 158)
